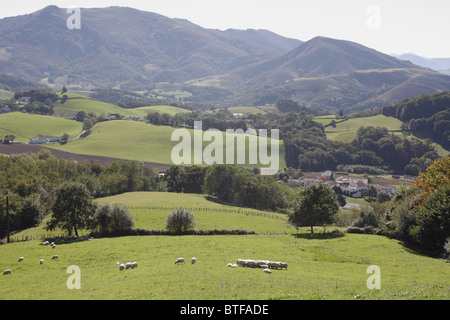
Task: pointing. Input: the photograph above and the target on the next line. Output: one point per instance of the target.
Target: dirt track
(29, 148)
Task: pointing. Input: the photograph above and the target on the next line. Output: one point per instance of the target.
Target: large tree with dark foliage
(73, 208)
(316, 204)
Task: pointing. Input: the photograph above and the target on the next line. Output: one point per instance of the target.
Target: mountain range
(124, 48)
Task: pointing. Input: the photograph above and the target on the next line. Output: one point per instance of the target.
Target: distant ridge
(129, 49)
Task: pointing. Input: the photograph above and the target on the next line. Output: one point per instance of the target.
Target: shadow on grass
(320, 235)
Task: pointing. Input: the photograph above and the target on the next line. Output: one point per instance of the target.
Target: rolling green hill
(26, 126)
(346, 130)
(76, 103)
(132, 140)
(329, 266)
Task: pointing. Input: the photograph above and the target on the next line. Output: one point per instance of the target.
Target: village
(356, 189)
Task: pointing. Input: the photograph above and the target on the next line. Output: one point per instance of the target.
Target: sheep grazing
(193, 260)
(7, 272)
(55, 257)
(267, 270)
(251, 264)
(20, 259)
(264, 264)
(41, 261)
(121, 267)
(128, 265)
(53, 246)
(45, 243)
(179, 260)
(134, 265)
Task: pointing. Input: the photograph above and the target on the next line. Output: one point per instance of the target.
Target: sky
(390, 26)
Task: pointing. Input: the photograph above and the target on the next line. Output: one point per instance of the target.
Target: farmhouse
(24, 99)
(46, 139)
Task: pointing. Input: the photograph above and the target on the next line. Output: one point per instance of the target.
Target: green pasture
(346, 130)
(77, 103)
(132, 140)
(26, 126)
(322, 266)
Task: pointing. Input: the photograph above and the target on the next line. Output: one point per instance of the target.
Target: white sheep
(53, 246)
(193, 260)
(7, 272)
(267, 271)
(179, 260)
(121, 267)
(21, 259)
(45, 243)
(55, 257)
(134, 265)
(128, 265)
(41, 261)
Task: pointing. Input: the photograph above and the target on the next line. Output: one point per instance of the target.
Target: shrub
(113, 219)
(180, 220)
(366, 218)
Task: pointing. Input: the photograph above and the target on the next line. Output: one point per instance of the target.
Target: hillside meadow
(138, 141)
(323, 266)
(346, 130)
(76, 103)
(25, 126)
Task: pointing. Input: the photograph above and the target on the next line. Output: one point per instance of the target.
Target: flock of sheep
(264, 264)
(128, 265)
(45, 243)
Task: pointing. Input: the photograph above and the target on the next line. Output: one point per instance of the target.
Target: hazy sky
(391, 26)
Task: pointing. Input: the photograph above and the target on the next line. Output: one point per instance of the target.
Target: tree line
(30, 181)
(374, 149)
(425, 114)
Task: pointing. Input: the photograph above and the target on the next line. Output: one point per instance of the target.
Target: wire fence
(222, 210)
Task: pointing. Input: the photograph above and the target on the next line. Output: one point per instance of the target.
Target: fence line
(201, 209)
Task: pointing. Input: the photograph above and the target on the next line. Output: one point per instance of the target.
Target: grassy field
(77, 103)
(133, 140)
(346, 130)
(26, 126)
(6, 95)
(150, 210)
(323, 266)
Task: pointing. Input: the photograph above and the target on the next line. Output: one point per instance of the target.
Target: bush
(432, 225)
(180, 220)
(113, 219)
(366, 218)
